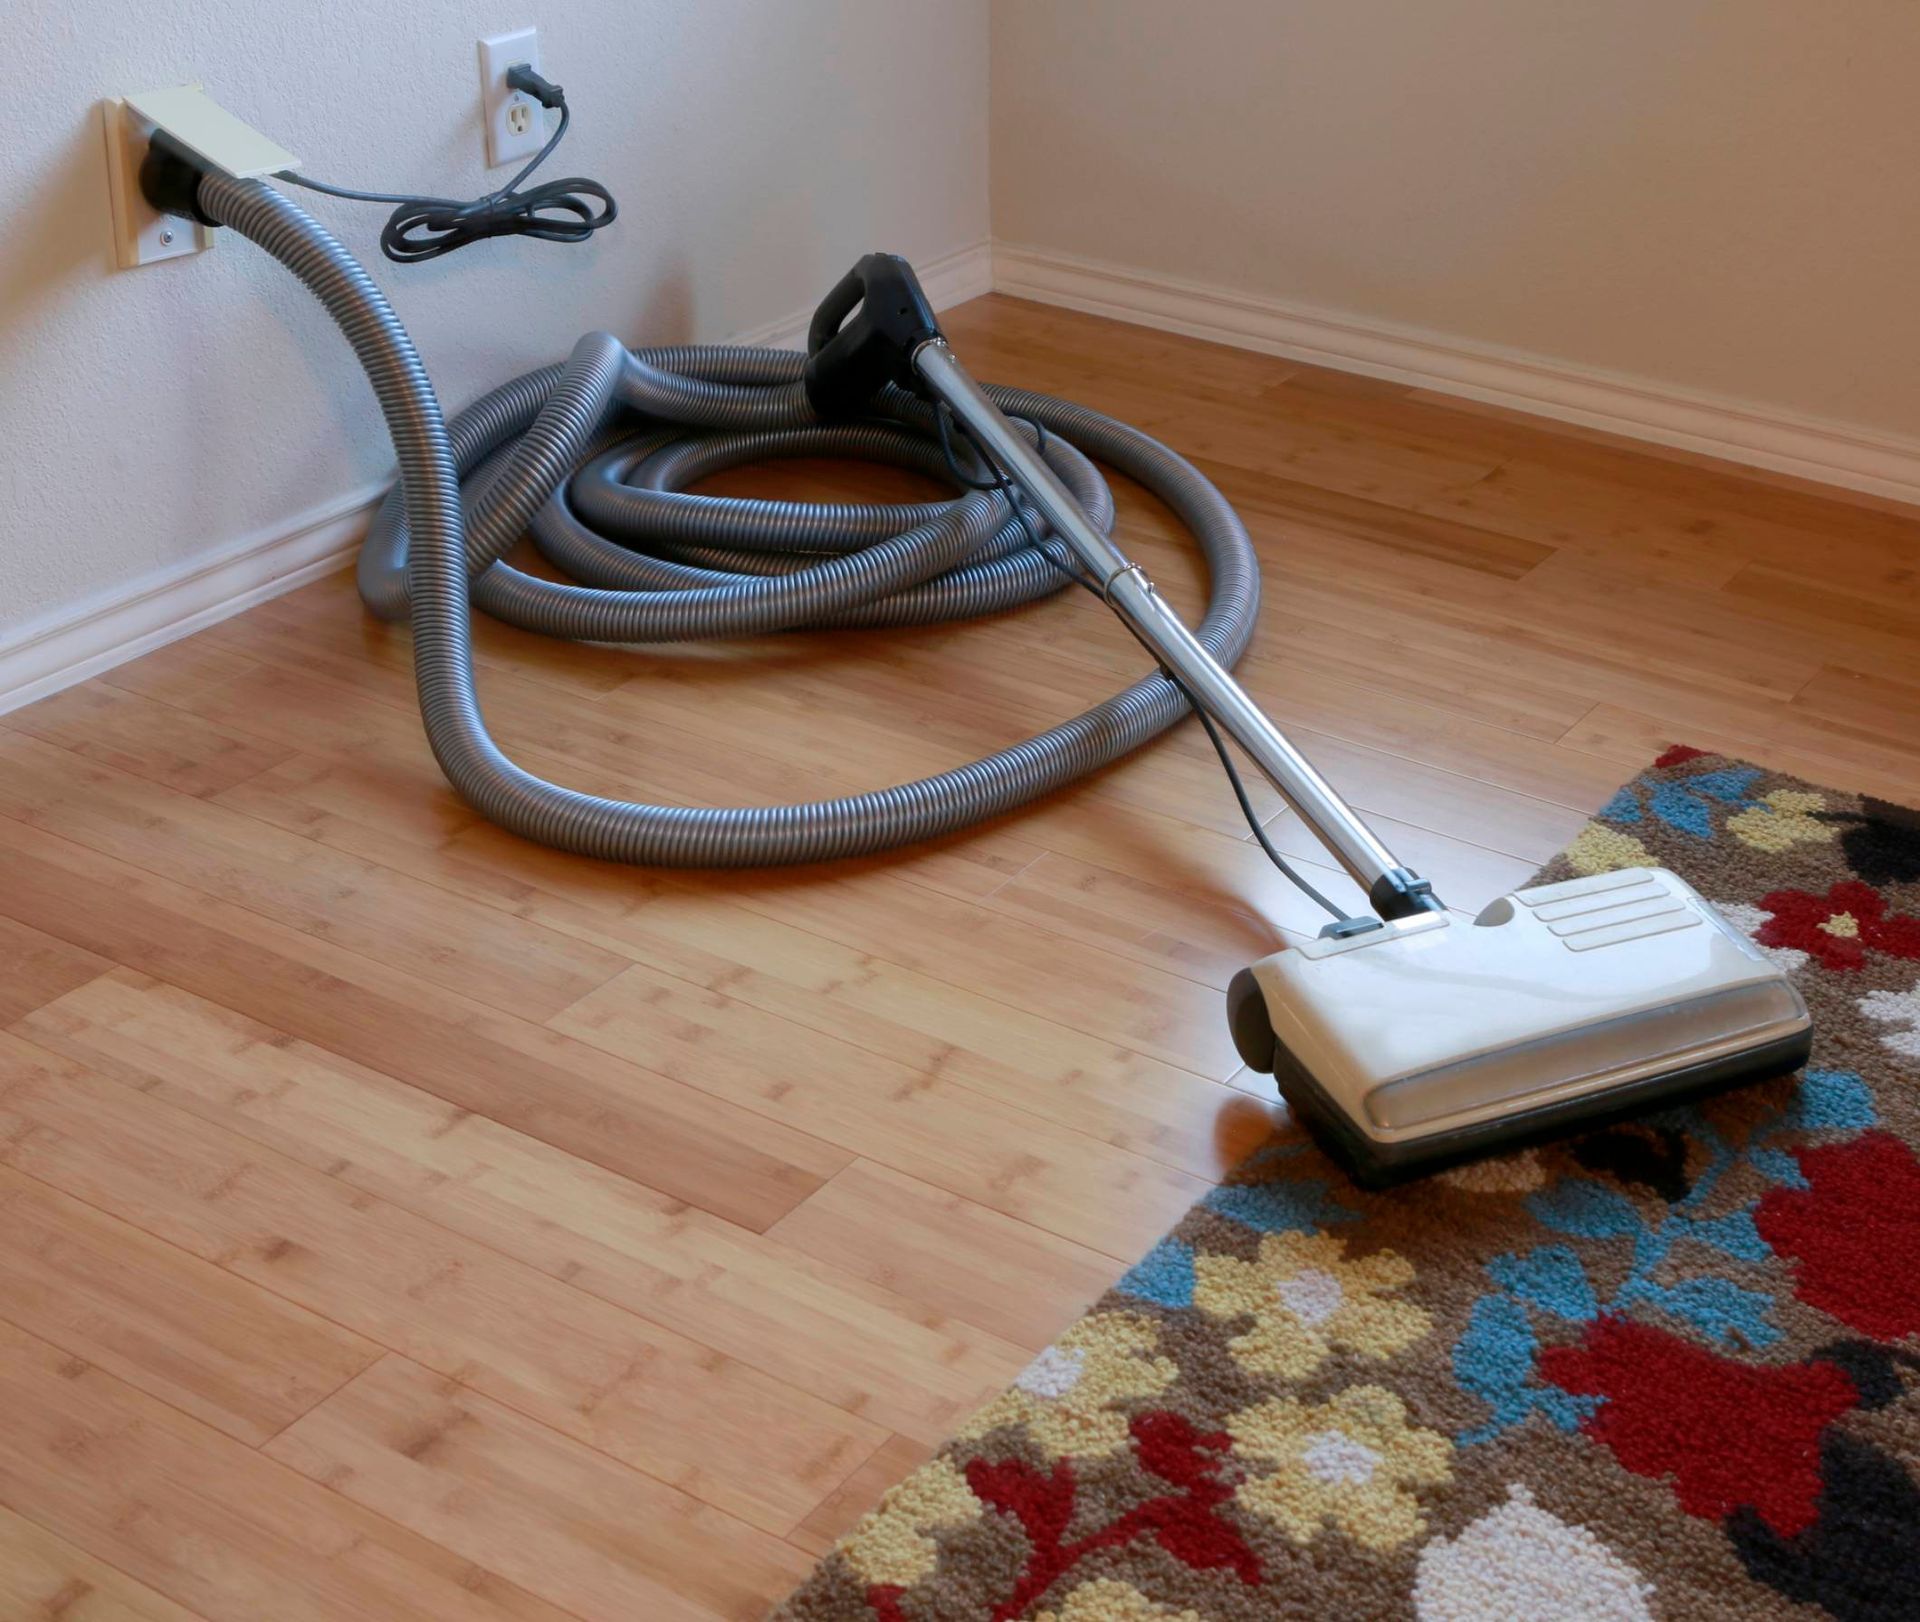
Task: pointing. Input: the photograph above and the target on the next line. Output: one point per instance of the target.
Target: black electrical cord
(1246, 805)
(557, 211)
(1005, 485)
(1063, 560)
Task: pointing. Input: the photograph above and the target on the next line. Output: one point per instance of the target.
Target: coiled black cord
(556, 211)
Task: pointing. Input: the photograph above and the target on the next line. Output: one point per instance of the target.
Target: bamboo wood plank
(729, 933)
(42, 1575)
(559, 1519)
(1877, 709)
(1067, 1182)
(655, 1399)
(359, 905)
(608, 1111)
(826, 1330)
(1630, 739)
(36, 967)
(223, 1350)
(175, 672)
(960, 1257)
(145, 737)
(209, 1523)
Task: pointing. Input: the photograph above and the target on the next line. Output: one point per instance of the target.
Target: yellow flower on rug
(1305, 1298)
(894, 1544)
(1069, 1397)
(1352, 1463)
(1781, 820)
(1110, 1601)
(1600, 849)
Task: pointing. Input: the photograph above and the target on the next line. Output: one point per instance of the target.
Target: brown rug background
(1667, 1370)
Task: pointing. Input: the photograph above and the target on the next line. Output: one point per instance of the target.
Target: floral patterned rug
(1667, 1370)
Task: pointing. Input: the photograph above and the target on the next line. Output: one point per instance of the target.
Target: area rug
(1667, 1370)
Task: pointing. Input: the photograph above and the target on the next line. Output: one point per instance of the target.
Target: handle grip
(863, 335)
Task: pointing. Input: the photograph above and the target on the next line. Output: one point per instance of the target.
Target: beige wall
(1719, 196)
(151, 417)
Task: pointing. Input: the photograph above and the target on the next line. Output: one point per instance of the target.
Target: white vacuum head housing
(1431, 1039)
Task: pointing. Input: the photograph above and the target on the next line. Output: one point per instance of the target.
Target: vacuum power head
(1432, 1039)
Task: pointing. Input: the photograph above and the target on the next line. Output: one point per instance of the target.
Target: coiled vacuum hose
(591, 455)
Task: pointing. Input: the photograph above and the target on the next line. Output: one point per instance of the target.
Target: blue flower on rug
(1550, 1278)
(1297, 1206)
(1721, 1310)
(1686, 806)
(1497, 1360)
(1831, 1101)
(1163, 1276)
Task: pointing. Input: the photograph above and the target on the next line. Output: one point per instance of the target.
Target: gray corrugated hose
(601, 447)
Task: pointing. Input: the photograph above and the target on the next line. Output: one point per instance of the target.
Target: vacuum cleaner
(1406, 1039)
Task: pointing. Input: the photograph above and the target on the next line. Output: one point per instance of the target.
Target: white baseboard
(80, 640)
(1735, 430)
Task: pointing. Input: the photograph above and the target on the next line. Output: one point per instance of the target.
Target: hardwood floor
(406, 1222)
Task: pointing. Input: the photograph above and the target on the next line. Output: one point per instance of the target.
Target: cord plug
(423, 227)
(521, 77)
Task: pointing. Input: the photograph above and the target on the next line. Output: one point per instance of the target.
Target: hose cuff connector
(170, 176)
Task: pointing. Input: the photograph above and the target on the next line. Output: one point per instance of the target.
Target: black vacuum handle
(849, 361)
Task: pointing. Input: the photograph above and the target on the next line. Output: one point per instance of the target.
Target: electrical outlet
(515, 129)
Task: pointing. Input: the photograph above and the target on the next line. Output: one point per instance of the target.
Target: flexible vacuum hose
(593, 455)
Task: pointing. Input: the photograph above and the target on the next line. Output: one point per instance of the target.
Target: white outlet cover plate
(498, 52)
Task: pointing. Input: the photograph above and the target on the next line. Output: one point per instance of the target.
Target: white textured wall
(1718, 195)
(150, 416)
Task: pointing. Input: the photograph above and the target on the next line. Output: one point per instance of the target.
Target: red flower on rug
(1855, 1231)
(1727, 1435)
(1840, 927)
(1185, 1522)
